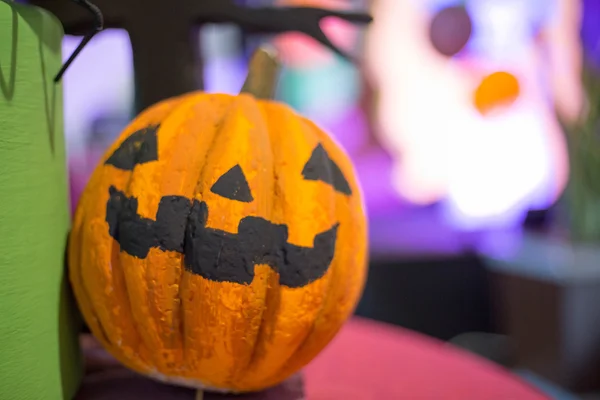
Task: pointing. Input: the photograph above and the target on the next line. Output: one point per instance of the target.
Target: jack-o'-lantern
(220, 243)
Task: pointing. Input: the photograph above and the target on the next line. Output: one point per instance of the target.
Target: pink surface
(370, 360)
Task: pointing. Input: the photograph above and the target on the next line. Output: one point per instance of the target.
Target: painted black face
(139, 148)
(320, 167)
(218, 255)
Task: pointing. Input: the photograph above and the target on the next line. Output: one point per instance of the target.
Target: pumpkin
(221, 241)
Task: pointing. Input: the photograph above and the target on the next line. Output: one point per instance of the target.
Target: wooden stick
(199, 394)
(263, 73)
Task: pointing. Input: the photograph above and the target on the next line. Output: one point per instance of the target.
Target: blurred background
(458, 119)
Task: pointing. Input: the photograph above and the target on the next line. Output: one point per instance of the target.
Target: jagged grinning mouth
(215, 254)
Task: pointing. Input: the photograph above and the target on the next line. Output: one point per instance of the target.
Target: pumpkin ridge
(198, 193)
(153, 309)
(152, 303)
(178, 102)
(273, 276)
(187, 102)
(80, 229)
(83, 287)
(284, 366)
(119, 268)
(304, 355)
(184, 105)
(270, 271)
(246, 102)
(282, 119)
(271, 280)
(75, 275)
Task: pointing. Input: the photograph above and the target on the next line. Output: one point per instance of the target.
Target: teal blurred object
(553, 391)
(322, 92)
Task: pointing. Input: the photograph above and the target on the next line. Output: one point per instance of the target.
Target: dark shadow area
(440, 297)
(106, 379)
(49, 90)
(70, 324)
(8, 87)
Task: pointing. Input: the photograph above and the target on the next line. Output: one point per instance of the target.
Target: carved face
(221, 242)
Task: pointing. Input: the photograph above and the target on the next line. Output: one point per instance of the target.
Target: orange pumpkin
(221, 243)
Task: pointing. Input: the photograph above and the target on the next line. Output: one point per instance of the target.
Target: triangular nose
(233, 185)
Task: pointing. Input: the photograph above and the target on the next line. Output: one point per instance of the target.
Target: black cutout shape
(139, 148)
(320, 167)
(214, 254)
(233, 185)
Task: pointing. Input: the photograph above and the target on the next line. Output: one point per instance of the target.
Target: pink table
(367, 360)
(370, 360)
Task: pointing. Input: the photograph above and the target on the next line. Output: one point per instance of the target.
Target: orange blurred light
(496, 90)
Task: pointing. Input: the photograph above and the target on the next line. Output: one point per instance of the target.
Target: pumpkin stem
(263, 73)
(199, 394)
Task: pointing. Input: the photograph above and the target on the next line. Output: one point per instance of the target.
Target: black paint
(215, 254)
(233, 185)
(138, 235)
(139, 148)
(320, 167)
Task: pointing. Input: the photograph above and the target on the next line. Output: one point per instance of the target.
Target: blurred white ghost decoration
(475, 129)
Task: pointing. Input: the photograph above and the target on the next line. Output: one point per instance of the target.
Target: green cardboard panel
(39, 352)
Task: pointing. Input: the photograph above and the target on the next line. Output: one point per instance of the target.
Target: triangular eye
(233, 185)
(320, 167)
(139, 148)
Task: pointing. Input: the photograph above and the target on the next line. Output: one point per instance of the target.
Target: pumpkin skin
(189, 295)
